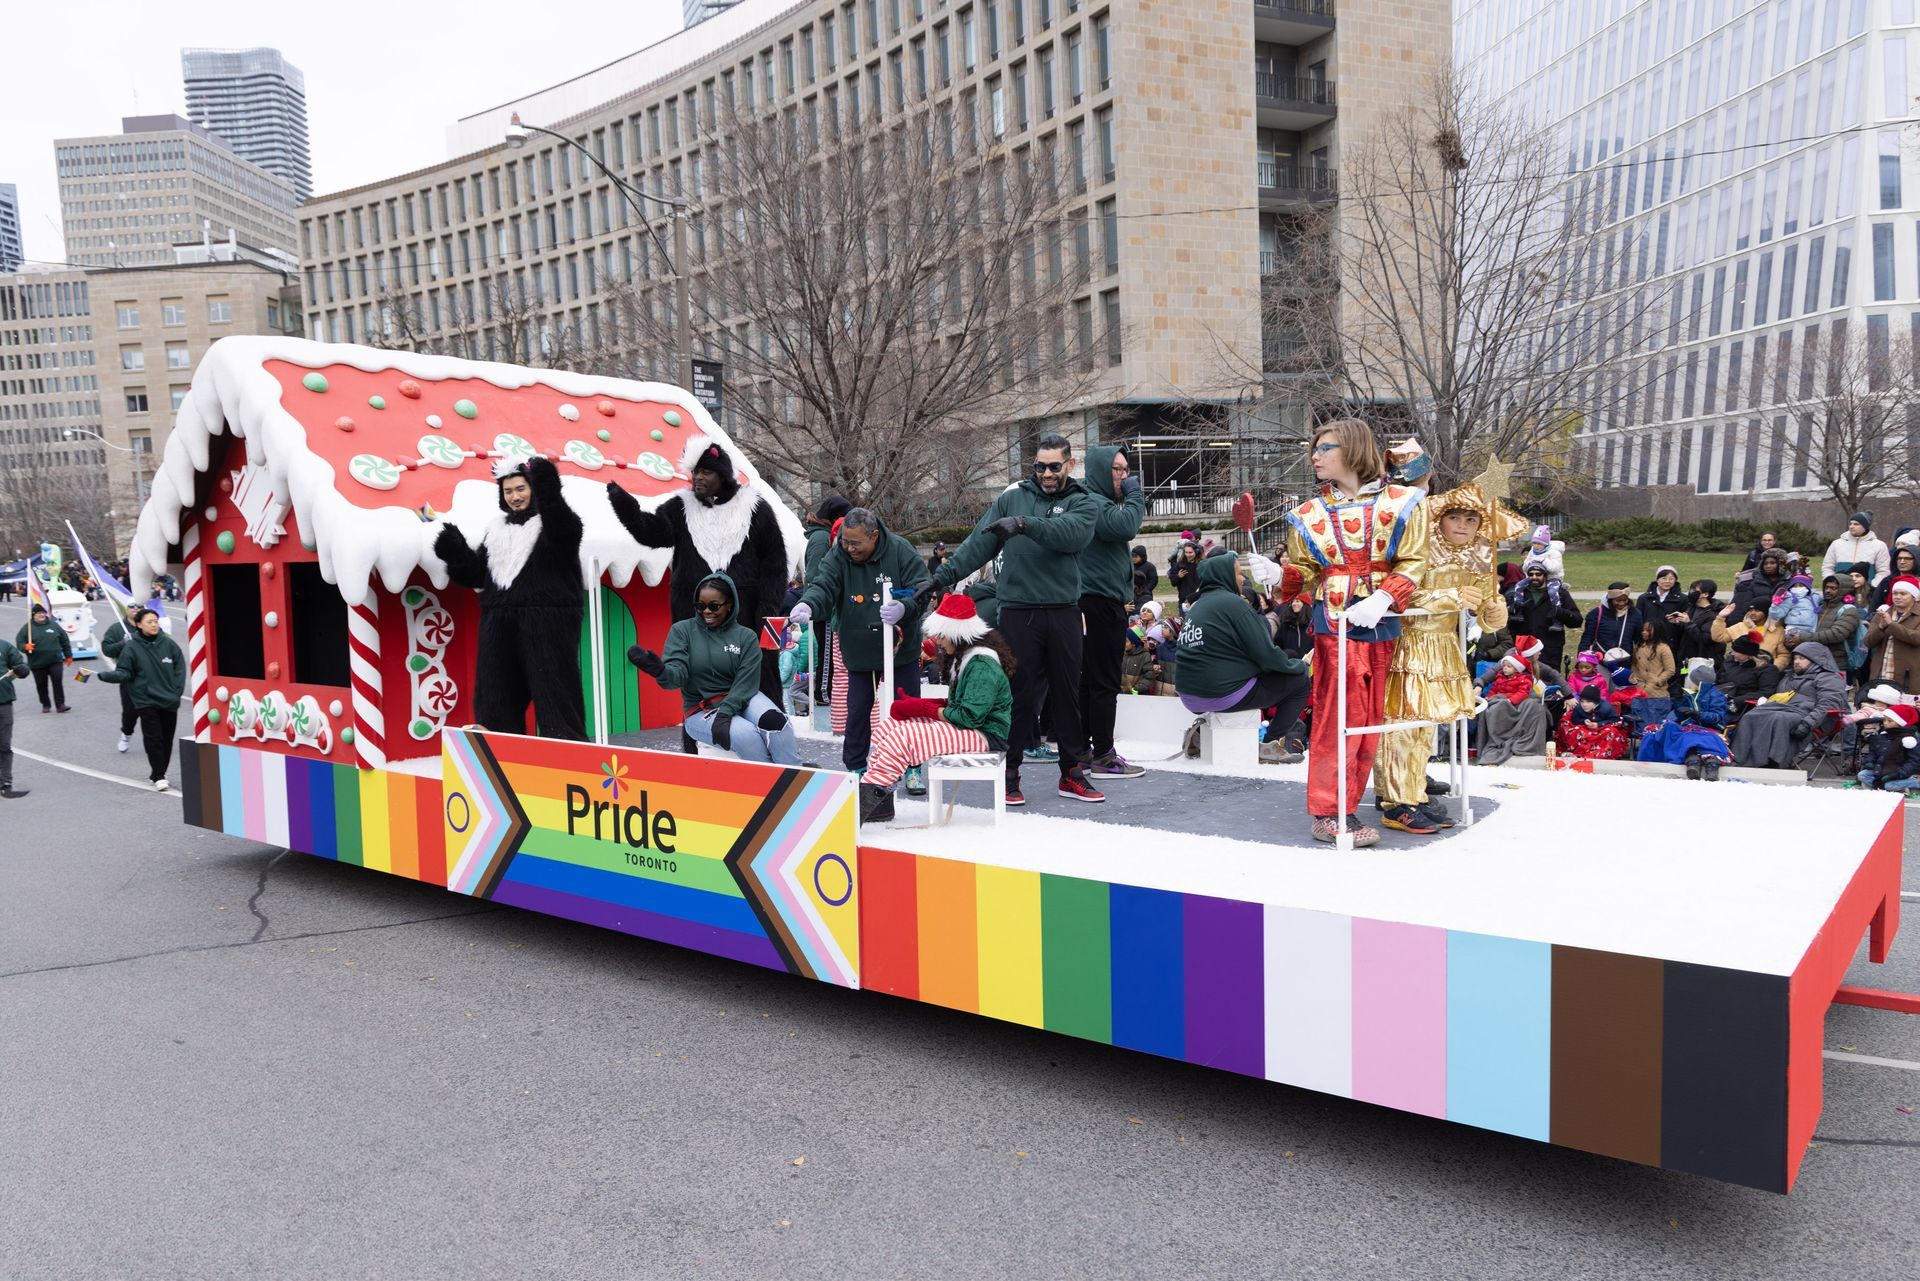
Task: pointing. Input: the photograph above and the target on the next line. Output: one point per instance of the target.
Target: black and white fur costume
(737, 534)
(532, 599)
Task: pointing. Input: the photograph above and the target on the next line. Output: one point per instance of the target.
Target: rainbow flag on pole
(37, 592)
(118, 592)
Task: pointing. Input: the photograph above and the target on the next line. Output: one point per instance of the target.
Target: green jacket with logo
(1042, 566)
(13, 665)
(981, 697)
(153, 669)
(1106, 566)
(714, 668)
(50, 644)
(1224, 644)
(115, 640)
(849, 594)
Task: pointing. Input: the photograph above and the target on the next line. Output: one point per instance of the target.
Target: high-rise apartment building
(1751, 153)
(257, 101)
(127, 199)
(697, 11)
(1189, 132)
(12, 248)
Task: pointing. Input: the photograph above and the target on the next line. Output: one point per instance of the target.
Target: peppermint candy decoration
(240, 710)
(582, 454)
(570, 412)
(655, 466)
(508, 445)
(439, 695)
(440, 451)
(436, 628)
(273, 713)
(373, 471)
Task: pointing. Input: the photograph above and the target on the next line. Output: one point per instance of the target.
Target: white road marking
(1903, 1064)
(90, 773)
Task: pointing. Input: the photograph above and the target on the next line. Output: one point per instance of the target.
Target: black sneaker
(876, 803)
(1437, 788)
(1710, 768)
(1437, 815)
(1407, 818)
(1013, 791)
(13, 793)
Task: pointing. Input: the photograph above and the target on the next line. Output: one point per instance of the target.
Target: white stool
(984, 767)
(1231, 740)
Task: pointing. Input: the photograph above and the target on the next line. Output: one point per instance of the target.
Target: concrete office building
(1193, 128)
(698, 11)
(1755, 148)
(12, 248)
(86, 354)
(127, 199)
(257, 101)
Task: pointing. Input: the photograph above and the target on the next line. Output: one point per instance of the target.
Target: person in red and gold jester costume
(1359, 549)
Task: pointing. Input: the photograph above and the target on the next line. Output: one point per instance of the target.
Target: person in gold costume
(1428, 679)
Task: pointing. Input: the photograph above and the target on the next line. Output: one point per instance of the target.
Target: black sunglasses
(711, 606)
(1049, 467)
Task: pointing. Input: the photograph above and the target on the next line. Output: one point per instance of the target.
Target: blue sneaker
(1044, 753)
(916, 781)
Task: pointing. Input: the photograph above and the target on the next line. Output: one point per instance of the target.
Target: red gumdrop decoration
(273, 671)
(226, 484)
(409, 388)
(266, 569)
(605, 407)
(344, 423)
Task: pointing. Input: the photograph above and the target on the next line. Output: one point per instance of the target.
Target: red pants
(1366, 705)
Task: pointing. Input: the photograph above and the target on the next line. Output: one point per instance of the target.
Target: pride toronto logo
(626, 819)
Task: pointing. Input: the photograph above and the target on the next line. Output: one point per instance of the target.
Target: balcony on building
(1282, 182)
(1291, 21)
(1287, 101)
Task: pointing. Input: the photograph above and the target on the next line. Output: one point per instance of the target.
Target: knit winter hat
(1906, 583)
(1885, 694)
(956, 620)
(1588, 656)
(1800, 580)
(1901, 715)
(1748, 644)
(1865, 519)
(1665, 569)
(1542, 535)
(831, 508)
(1592, 694)
(1527, 646)
(1699, 671)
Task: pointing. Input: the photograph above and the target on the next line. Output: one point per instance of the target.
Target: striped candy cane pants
(899, 745)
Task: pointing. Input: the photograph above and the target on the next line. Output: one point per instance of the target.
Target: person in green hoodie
(819, 524)
(154, 669)
(13, 667)
(48, 651)
(1038, 528)
(845, 586)
(1228, 661)
(110, 646)
(714, 661)
(1106, 592)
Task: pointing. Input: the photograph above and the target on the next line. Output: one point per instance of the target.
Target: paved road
(221, 1060)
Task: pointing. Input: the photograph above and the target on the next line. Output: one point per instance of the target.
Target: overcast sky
(384, 80)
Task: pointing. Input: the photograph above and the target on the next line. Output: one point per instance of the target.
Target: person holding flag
(47, 648)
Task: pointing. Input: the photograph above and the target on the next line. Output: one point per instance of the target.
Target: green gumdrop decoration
(422, 728)
(604, 435)
(347, 735)
(314, 382)
(657, 434)
(672, 418)
(378, 402)
(225, 541)
(413, 596)
(213, 715)
(466, 409)
(417, 663)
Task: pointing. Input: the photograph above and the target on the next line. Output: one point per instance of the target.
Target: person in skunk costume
(532, 598)
(718, 526)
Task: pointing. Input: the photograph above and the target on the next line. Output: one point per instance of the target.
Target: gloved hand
(1008, 527)
(1369, 612)
(1780, 595)
(647, 661)
(1129, 487)
(891, 612)
(800, 615)
(723, 732)
(915, 709)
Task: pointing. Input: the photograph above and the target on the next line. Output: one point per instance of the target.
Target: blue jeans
(750, 742)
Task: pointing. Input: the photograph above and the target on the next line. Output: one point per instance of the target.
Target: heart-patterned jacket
(1341, 550)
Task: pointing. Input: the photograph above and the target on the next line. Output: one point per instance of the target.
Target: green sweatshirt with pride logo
(1041, 567)
(1224, 644)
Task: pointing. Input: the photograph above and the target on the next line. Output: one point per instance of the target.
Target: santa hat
(1905, 583)
(1512, 663)
(1885, 694)
(1527, 646)
(1901, 716)
(956, 620)
(1748, 644)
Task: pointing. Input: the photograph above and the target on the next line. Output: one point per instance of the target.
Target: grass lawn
(1592, 571)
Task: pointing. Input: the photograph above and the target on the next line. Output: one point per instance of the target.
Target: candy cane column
(363, 646)
(196, 632)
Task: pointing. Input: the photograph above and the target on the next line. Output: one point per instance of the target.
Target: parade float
(1533, 973)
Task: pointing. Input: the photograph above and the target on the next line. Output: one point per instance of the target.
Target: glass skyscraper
(257, 101)
(1750, 155)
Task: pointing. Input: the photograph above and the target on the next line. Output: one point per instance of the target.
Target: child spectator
(1653, 664)
(1695, 736)
(1510, 726)
(1888, 760)
(1795, 609)
(1906, 564)
(1592, 728)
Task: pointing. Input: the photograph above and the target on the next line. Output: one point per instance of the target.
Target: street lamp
(138, 501)
(517, 132)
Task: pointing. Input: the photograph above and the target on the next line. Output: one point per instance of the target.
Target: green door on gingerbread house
(623, 689)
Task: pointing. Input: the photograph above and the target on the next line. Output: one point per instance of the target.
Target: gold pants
(1400, 767)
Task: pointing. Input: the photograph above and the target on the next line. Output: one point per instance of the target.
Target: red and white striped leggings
(897, 745)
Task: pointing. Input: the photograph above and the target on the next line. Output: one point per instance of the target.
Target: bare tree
(500, 319)
(887, 300)
(38, 498)
(1466, 287)
(1854, 425)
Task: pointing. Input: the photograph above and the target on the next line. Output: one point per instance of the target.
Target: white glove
(1264, 570)
(1369, 612)
(891, 612)
(801, 614)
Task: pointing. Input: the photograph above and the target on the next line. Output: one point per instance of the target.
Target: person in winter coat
(13, 667)
(1858, 546)
(1506, 728)
(1664, 605)
(1893, 636)
(1730, 624)
(1547, 552)
(1146, 576)
(845, 587)
(1653, 663)
(1766, 544)
(1184, 574)
(1613, 624)
(1906, 562)
(1106, 591)
(1770, 735)
(1889, 759)
(152, 667)
(111, 644)
(48, 652)
(1838, 620)
(1795, 609)
(713, 659)
(819, 526)
(1038, 528)
(1695, 736)
(1696, 638)
(1764, 583)
(1592, 727)
(533, 598)
(1542, 607)
(1228, 661)
(1750, 673)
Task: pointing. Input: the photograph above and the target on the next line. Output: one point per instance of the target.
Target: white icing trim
(233, 392)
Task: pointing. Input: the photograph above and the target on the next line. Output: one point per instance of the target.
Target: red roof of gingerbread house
(356, 441)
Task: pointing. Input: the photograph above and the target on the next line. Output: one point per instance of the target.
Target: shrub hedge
(1653, 533)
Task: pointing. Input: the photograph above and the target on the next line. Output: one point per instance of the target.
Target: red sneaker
(1013, 791)
(1076, 786)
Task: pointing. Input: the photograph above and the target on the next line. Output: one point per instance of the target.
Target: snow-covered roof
(357, 441)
